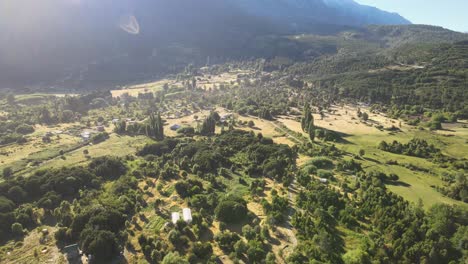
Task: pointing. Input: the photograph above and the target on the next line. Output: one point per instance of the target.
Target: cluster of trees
(402, 232)
(253, 248)
(231, 209)
(415, 147)
(327, 135)
(208, 125)
(208, 155)
(155, 127)
(435, 236)
(363, 115)
(265, 97)
(457, 186)
(316, 220)
(52, 190)
(439, 85)
(277, 210)
(349, 165)
(14, 131)
(211, 159)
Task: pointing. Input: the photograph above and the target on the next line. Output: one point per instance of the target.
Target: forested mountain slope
(43, 41)
(432, 75)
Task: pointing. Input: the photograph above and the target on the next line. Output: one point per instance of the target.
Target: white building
(86, 135)
(187, 214)
(175, 217)
(323, 180)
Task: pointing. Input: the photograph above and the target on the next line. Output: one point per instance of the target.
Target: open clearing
(360, 135)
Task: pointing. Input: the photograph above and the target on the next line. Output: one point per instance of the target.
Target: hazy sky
(451, 14)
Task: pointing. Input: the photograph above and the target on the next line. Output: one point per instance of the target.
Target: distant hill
(300, 14)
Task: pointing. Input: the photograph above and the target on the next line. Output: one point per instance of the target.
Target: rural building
(86, 135)
(187, 214)
(72, 252)
(323, 180)
(100, 128)
(225, 117)
(175, 127)
(175, 217)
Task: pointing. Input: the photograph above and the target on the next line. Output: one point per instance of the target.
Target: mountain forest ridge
(91, 51)
(41, 39)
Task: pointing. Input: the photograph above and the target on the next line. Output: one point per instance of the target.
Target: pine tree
(155, 127)
(307, 122)
(306, 118)
(209, 125)
(311, 132)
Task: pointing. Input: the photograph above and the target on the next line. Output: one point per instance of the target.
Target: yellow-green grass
(416, 185)
(33, 98)
(151, 87)
(115, 146)
(20, 156)
(454, 139)
(24, 251)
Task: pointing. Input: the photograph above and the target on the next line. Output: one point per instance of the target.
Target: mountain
(42, 41)
(300, 14)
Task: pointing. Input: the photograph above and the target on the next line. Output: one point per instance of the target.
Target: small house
(86, 135)
(225, 117)
(323, 180)
(175, 217)
(100, 128)
(187, 215)
(175, 127)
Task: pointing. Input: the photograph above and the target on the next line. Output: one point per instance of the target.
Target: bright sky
(451, 14)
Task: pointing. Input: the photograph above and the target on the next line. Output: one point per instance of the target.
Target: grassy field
(137, 89)
(28, 157)
(207, 81)
(23, 157)
(34, 248)
(414, 185)
(115, 146)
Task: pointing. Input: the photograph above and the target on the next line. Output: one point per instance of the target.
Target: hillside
(49, 40)
(402, 69)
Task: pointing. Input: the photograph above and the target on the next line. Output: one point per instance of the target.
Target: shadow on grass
(372, 160)
(398, 183)
(207, 236)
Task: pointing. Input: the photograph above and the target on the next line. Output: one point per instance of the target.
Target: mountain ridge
(88, 36)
